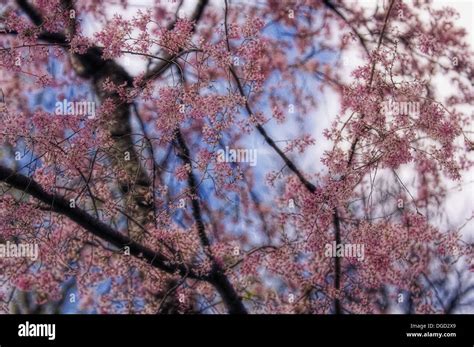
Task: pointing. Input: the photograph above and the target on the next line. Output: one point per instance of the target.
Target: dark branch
(61, 206)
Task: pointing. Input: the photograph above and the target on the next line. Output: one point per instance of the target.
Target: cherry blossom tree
(162, 158)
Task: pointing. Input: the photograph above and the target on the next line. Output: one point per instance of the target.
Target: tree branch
(61, 206)
(166, 62)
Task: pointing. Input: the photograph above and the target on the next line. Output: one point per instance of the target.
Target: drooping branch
(218, 278)
(288, 162)
(96, 227)
(185, 156)
(60, 205)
